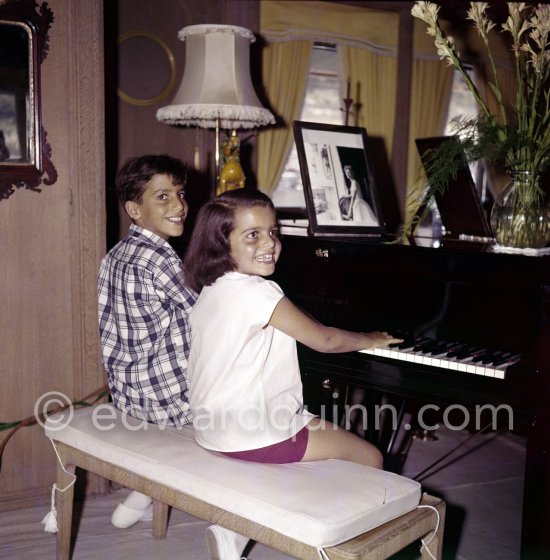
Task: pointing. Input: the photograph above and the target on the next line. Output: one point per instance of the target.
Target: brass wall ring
(171, 61)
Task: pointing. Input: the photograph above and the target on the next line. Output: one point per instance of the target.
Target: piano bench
(313, 510)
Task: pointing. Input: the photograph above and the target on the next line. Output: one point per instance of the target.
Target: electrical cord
(432, 537)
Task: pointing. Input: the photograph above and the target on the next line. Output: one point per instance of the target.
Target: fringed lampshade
(216, 83)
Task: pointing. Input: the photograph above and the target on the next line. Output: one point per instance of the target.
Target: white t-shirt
(245, 388)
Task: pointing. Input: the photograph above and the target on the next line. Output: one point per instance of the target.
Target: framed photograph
(339, 189)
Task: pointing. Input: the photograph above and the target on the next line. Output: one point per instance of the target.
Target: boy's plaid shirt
(143, 307)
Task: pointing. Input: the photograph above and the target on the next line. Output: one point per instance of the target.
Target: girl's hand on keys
(381, 339)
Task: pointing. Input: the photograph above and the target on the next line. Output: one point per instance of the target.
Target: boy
(144, 303)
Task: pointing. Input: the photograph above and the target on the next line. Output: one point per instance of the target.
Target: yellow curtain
(430, 94)
(341, 24)
(373, 90)
(290, 29)
(285, 73)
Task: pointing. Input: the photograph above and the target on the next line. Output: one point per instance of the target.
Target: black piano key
(490, 358)
(409, 343)
(502, 357)
(421, 344)
(444, 348)
(476, 354)
(428, 348)
(483, 357)
(469, 353)
(460, 349)
(510, 358)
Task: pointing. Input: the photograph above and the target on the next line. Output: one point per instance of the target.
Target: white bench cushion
(320, 503)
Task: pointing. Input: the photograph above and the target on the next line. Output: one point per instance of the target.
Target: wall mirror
(25, 155)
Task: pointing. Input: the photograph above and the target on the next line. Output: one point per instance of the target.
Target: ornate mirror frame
(29, 170)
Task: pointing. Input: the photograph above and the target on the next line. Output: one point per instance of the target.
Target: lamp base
(231, 175)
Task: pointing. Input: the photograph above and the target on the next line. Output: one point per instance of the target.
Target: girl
(245, 388)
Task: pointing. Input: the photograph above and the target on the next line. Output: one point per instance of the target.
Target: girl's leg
(328, 441)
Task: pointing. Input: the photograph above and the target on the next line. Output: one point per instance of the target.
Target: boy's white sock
(137, 500)
(136, 507)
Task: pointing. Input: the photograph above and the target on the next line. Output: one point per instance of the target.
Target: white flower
(445, 48)
(523, 127)
(515, 24)
(477, 13)
(426, 11)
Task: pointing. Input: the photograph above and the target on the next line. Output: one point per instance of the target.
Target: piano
(475, 324)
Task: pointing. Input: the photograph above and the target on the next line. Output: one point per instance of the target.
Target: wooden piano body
(460, 291)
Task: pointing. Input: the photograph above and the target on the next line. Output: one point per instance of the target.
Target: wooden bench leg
(160, 519)
(435, 545)
(64, 506)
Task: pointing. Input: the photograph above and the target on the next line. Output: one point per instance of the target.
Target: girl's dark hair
(208, 255)
(137, 172)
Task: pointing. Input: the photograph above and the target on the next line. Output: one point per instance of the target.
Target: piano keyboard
(452, 356)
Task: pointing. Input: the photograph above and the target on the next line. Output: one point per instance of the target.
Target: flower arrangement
(516, 137)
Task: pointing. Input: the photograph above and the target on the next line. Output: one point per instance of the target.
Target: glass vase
(520, 217)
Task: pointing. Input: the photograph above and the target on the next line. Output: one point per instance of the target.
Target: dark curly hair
(138, 171)
(208, 255)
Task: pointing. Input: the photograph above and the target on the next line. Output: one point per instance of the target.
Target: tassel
(50, 519)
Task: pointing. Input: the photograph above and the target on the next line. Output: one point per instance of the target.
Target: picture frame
(339, 187)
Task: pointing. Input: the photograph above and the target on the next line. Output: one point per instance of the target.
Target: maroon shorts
(290, 450)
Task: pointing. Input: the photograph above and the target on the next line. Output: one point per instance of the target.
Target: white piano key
(394, 355)
(480, 370)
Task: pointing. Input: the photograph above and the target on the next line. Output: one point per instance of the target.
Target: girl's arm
(292, 321)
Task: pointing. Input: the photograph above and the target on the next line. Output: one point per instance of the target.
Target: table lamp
(216, 91)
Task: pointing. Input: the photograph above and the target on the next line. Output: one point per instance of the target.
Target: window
(322, 104)
(463, 104)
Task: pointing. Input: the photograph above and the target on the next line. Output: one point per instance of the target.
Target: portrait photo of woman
(354, 204)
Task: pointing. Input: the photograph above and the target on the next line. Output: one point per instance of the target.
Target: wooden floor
(482, 483)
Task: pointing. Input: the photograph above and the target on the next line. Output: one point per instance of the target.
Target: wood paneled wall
(52, 243)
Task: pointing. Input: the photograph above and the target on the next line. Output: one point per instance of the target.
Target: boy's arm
(172, 281)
